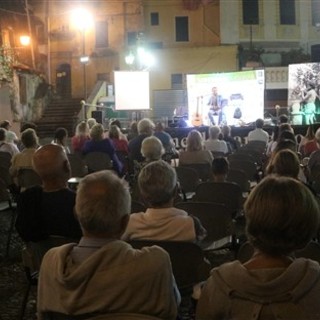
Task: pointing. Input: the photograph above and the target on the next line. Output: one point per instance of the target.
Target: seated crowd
(97, 272)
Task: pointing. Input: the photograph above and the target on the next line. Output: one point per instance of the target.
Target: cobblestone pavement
(13, 282)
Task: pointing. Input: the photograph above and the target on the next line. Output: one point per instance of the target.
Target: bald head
(51, 163)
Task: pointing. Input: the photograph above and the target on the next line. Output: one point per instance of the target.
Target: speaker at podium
(98, 115)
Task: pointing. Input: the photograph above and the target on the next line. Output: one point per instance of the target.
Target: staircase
(59, 113)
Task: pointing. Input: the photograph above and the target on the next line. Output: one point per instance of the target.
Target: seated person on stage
(220, 169)
(145, 129)
(214, 143)
(258, 134)
(98, 143)
(162, 221)
(47, 210)
(282, 216)
(102, 274)
(195, 152)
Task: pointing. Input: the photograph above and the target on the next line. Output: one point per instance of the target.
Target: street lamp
(83, 21)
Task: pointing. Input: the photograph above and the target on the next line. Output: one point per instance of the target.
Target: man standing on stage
(215, 111)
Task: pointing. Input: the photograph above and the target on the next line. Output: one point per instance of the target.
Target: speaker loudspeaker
(98, 115)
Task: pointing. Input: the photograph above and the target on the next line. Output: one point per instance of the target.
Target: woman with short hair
(195, 152)
(282, 215)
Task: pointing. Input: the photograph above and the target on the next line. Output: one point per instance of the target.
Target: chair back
(188, 179)
(28, 178)
(241, 156)
(97, 161)
(5, 163)
(310, 251)
(5, 159)
(248, 167)
(188, 264)
(114, 316)
(215, 218)
(226, 193)
(137, 206)
(77, 164)
(257, 145)
(240, 178)
(203, 170)
(218, 154)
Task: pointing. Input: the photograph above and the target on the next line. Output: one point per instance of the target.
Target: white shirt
(216, 145)
(258, 135)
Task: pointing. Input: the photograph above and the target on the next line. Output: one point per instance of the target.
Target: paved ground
(13, 282)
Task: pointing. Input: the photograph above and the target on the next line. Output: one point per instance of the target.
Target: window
(250, 11)
(315, 10)
(182, 29)
(287, 12)
(154, 18)
(101, 34)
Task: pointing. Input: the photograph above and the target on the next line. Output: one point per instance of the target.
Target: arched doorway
(63, 80)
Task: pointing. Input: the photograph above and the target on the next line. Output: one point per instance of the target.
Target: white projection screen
(132, 90)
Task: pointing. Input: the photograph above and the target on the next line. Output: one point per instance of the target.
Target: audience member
(133, 131)
(286, 135)
(285, 126)
(60, 139)
(116, 122)
(25, 126)
(100, 144)
(152, 149)
(258, 134)
(214, 143)
(165, 138)
(283, 118)
(5, 146)
(282, 216)
(273, 142)
(145, 129)
(91, 122)
(11, 136)
(220, 169)
(102, 274)
(232, 144)
(195, 152)
(24, 158)
(80, 137)
(315, 155)
(308, 143)
(115, 136)
(47, 210)
(285, 163)
(157, 183)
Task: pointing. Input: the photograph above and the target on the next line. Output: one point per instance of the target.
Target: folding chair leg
(24, 302)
